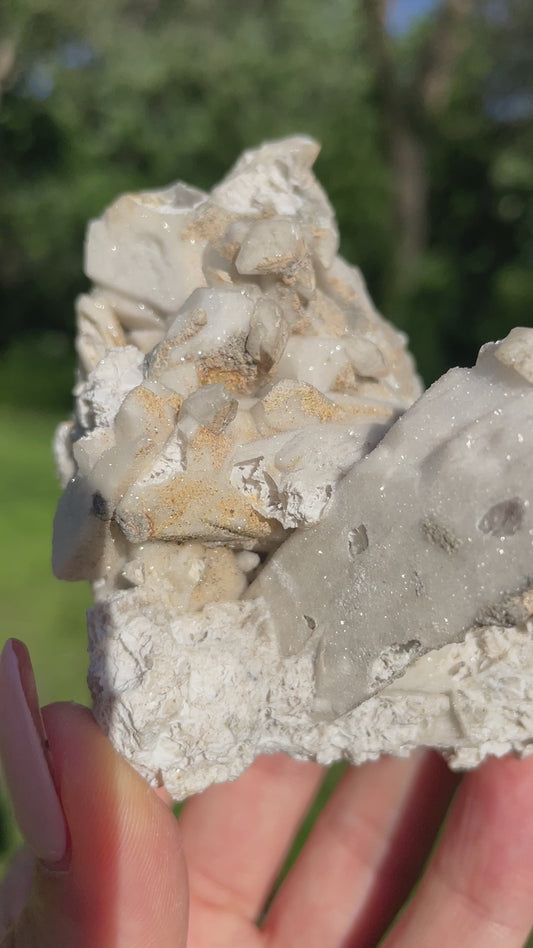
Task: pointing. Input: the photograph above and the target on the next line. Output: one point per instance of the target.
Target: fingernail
(26, 757)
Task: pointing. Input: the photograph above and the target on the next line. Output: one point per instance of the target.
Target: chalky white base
(192, 700)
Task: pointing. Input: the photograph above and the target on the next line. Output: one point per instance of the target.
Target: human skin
(133, 875)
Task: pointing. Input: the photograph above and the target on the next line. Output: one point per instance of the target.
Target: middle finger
(364, 854)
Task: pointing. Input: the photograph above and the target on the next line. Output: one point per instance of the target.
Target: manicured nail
(26, 757)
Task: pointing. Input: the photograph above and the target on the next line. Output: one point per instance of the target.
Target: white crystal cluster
(232, 369)
(232, 372)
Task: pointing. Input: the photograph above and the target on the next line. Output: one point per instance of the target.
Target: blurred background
(424, 109)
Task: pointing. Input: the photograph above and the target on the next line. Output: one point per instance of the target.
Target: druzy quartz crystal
(290, 547)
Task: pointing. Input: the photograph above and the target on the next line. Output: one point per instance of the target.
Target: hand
(109, 869)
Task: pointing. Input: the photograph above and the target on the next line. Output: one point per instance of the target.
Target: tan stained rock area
(226, 499)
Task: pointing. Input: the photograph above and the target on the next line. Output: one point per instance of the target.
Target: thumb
(109, 868)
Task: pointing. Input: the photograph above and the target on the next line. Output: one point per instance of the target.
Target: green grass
(49, 616)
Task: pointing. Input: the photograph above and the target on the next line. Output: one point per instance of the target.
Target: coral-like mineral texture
(290, 547)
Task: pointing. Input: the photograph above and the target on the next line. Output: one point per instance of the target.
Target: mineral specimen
(265, 577)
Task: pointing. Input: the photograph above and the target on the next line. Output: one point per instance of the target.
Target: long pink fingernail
(26, 758)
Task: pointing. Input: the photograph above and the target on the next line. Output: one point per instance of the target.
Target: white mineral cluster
(265, 577)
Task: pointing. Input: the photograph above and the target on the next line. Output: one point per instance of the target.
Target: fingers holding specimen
(478, 889)
(237, 835)
(109, 868)
(364, 854)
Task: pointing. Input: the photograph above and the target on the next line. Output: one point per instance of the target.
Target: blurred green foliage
(117, 95)
(27, 588)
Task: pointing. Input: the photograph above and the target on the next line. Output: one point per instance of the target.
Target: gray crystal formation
(442, 509)
(265, 577)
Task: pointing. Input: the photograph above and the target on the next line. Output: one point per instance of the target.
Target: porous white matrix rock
(232, 372)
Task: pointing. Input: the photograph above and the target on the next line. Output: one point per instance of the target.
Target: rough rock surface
(265, 577)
